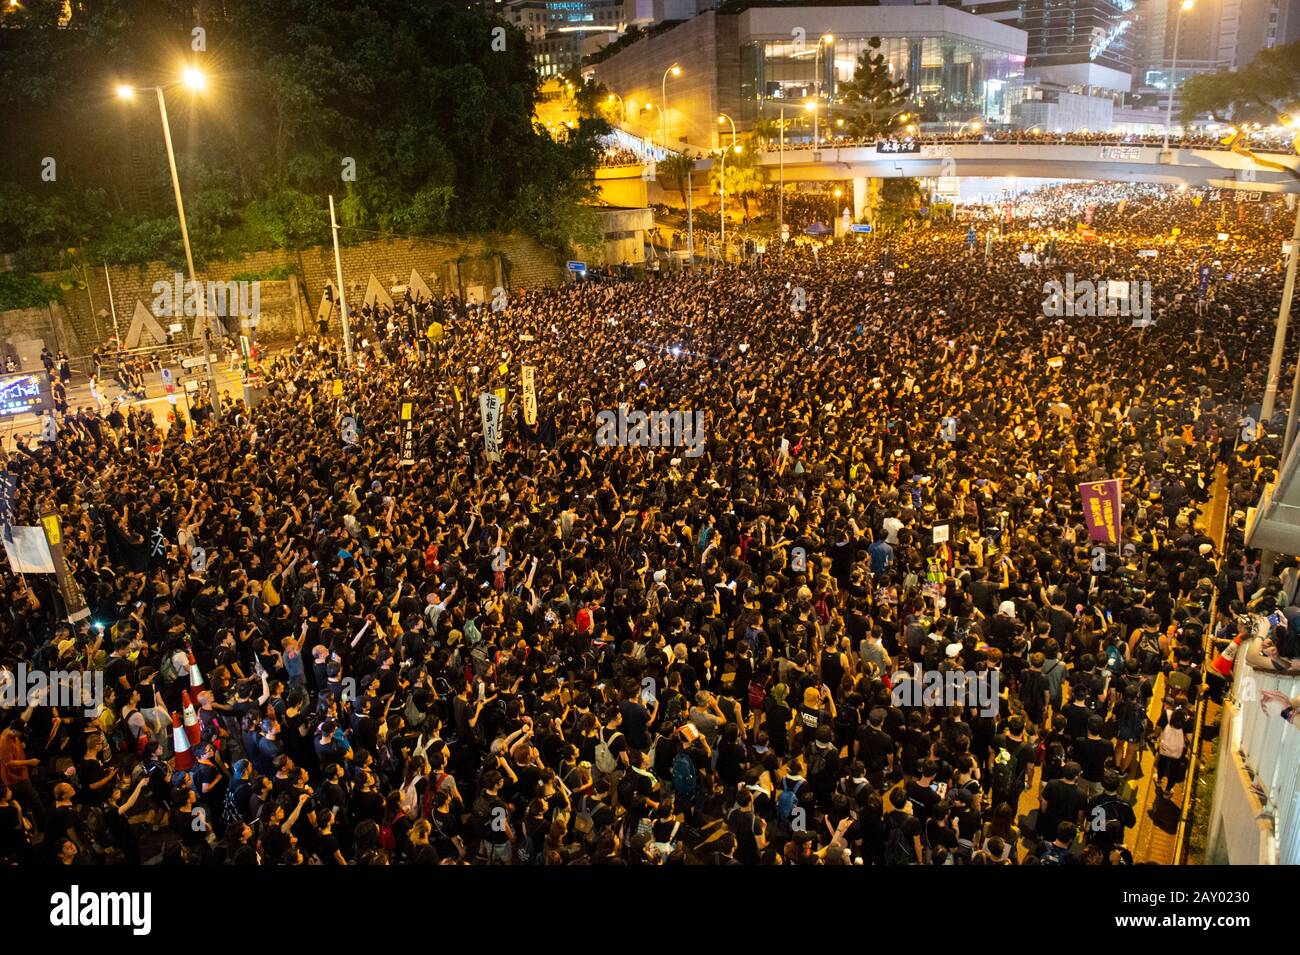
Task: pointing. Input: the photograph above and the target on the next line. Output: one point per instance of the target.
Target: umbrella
(817, 229)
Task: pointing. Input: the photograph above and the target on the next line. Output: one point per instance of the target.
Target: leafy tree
(1267, 87)
(26, 291)
(677, 168)
(873, 96)
(436, 120)
(744, 178)
(899, 201)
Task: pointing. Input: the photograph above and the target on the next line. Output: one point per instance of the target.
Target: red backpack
(584, 620)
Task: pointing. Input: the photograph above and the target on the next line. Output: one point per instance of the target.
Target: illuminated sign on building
(25, 393)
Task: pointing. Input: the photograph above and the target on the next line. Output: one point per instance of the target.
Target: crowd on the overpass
(1262, 142)
(593, 654)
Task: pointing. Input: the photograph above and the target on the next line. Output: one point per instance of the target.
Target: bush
(20, 290)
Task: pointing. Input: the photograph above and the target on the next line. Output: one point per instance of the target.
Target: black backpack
(898, 849)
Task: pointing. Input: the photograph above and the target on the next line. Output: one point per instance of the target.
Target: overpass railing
(1270, 746)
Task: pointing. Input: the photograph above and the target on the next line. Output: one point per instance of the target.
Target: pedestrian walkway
(1157, 832)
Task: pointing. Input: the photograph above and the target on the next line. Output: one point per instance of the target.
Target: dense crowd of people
(1265, 141)
(581, 654)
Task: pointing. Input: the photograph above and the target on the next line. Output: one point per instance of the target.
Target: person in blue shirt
(881, 553)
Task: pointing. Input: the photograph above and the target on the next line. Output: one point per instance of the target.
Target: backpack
(819, 765)
(787, 800)
(1172, 741)
(1130, 720)
(757, 694)
(897, 849)
(471, 633)
(1148, 654)
(605, 761)
(684, 777)
(1113, 825)
(584, 621)
(675, 706)
(411, 799)
(413, 715)
(1004, 772)
(430, 790)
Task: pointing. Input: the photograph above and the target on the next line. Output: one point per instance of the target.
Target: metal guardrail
(1182, 836)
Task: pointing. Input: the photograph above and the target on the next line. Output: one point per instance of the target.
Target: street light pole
(649, 133)
(189, 255)
(780, 192)
(675, 70)
(722, 185)
(1279, 335)
(1173, 71)
(117, 335)
(690, 220)
(343, 301)
(622, 107)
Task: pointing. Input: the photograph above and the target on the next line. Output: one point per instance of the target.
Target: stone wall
(22, 328)
(449, 266)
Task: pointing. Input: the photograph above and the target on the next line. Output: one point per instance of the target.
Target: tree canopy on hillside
(431, 103)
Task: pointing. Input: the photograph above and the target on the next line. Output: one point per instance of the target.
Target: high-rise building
(561, 32)
(1082, 45)
(1214, 35)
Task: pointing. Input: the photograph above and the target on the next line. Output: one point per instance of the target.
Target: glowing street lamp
(1173, 70)
(722, 183)
(195, 80)
(675, 70)
(622, 107)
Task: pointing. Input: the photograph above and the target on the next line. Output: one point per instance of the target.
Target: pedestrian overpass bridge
(1118, 162)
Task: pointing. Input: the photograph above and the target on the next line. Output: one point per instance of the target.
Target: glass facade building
(946, 75)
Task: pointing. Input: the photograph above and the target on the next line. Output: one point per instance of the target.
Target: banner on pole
(527, 374)
(1101, 510)
(489, 406)
(73, 602)
(407, 416)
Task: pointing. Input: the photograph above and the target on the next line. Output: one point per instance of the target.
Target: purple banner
(1101, 509)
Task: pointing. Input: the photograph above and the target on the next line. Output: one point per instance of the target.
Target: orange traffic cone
(192, 728)
(181, 744)
(196, 675)
(1222, 664)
